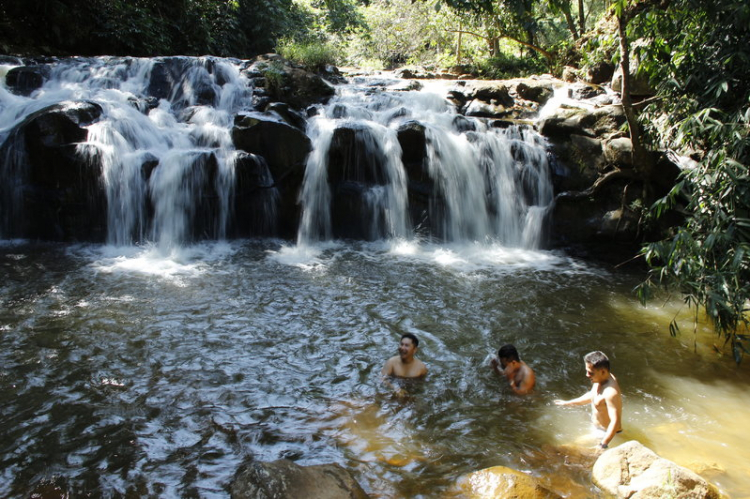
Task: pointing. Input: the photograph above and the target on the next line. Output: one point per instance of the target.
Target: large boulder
(536, 91)
(284, 479)
(499, 481)
(58, 190)
(633, 471)
(185, 81)
(276, 79)
(602, 122)
(284, 149)
(357, 168)
(23, 80)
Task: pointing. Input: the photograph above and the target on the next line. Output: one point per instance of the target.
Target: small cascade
(163, 142)
(470, 182)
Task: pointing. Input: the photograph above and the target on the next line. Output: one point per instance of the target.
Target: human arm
(586, 398)
(495, 364)
(387, 368)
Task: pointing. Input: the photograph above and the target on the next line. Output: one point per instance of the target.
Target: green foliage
(239, 28)
(504, 66)
(275, 77)
(400, 32)
(699, 58)
(314, 55)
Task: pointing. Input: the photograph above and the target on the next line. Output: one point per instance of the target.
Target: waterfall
(163, 141)
(386, 161)
(487, 184)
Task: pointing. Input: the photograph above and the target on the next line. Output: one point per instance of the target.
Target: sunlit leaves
(701, 71)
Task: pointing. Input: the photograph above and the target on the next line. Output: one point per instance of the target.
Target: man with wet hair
(507, 363)
(605, 397)
(405, 364)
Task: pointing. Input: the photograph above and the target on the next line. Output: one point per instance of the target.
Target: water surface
(132, 370)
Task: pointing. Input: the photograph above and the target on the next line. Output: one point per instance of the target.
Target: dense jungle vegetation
(694, 53)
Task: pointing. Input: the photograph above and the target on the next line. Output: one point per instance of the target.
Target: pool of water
(137, 370)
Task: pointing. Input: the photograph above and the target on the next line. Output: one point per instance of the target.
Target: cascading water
(163, 142)
(487, 184)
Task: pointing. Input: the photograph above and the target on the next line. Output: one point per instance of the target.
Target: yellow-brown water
(131, 371)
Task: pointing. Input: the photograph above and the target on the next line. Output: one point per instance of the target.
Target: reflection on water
(138, 371)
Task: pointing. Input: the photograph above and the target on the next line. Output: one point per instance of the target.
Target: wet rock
(413, 141)
(633, 471)
(357, 170)
(57, 189)
(581, 91)
(500, 481)
(290, 116)
(284, 479)
(23, 80)
(495, 92)
(619, 151)
(481, 109)
(255, 198)
(539, 92)
(583, 158)
(279, 80)
(600, 72)
(356, 155)
(284, 149)
(601, 122)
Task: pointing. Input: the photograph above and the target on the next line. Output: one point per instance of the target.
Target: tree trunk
(581, 18)
(571, 22)
(642, 161)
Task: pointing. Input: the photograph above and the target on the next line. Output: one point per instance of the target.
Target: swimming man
(520, 376)
(605, 397)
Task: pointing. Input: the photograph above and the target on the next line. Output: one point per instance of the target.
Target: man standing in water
(605, 397)
(405, 364)
(507, 363)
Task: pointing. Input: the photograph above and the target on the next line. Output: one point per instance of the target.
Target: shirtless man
(508, 364)
(405, 365)
(605, 397)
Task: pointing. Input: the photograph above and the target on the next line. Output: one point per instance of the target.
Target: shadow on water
(130, 371)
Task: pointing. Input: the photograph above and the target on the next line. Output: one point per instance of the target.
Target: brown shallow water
(130, 370)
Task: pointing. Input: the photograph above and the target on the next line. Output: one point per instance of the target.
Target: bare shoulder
(389, 365)
(612, 391)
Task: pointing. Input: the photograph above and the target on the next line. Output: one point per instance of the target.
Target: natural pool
(156, 373)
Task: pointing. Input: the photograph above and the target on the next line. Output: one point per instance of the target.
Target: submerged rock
(284, 479)
(633, 471)
(499, 481)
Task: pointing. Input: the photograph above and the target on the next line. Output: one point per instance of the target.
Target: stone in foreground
(633, 471)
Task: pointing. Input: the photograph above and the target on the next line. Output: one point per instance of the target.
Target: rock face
(499, 481)
(634, 471)
(284, 479)
(284, 149)
(60, 195)
(589, 144)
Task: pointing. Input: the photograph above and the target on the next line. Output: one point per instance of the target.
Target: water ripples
(135, 372)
